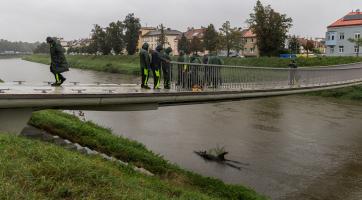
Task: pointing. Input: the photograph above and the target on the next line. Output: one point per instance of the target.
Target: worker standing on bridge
(293, 73)
(215, 71)
(156, 64)
(59, 63)
(166, 68)
(145, 63)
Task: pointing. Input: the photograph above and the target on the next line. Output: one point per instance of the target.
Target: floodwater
(294, 147)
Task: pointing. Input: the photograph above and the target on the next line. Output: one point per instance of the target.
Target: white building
(152, 36)
(350, 26)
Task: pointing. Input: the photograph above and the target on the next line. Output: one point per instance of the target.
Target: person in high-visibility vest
(156, 64)
(145, 63)
(59, 63)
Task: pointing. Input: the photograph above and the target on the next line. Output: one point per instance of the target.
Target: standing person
(292, 72)
(215, 70)
(181, 67)
(145, 62)
(59, 63)
(195, 71)
(166, 68)
(156, 64)
(207, 70)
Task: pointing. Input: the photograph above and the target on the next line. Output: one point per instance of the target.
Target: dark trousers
(145, 76)
(166, 76)
(156, 77)
(58, 77)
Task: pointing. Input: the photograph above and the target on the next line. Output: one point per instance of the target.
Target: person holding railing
(215, 71)
(183, 70)
(156, 64)
(195, 72)
(166, 68)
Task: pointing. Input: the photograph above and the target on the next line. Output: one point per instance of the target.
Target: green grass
(348, 93)
(35, 170)
(112, 64)
(130, 64)
(101, 139)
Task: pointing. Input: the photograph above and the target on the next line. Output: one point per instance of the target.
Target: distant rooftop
(351, 19)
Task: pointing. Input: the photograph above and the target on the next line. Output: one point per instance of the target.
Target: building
(151, 37)
(142, 33)
(250, 46)
(349, 26)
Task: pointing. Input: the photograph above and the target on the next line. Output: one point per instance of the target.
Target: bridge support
(13, 121)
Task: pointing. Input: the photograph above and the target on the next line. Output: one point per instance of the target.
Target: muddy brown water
(296, 147)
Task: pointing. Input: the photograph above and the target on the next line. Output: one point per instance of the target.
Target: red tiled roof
(248, 33)
(348, 22)
(195, 33)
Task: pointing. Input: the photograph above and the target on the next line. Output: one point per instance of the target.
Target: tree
(162, 40)
(357, 42)
(271, 29)
(230, 38)
(42, 48)
(196, 45)
(115, 36)
(184, 44)
(211, 38)
(309, 46)
(294, 45)
(132, 27)
(101, 40)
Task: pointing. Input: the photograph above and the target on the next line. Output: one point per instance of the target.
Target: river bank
(130, 64)
(101, 139)
(35, 170)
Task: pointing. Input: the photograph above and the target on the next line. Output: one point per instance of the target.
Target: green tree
(101, 40)
(42, 48)
(230, 38)
(196, 45)
(184, 44)
(357, 42)
(309, 46)
(132, 27)
(294, 45)
(211, 38)
(115, 36)
(162, 40)
(271, 29)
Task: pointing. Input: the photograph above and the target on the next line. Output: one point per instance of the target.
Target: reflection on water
(297, 147)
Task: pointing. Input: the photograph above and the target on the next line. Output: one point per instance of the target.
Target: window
(252, 50)
(252, 40)
(356, 49)
(331, 50)
(341, 49)
(332, 37)
(357, 35)
(341, 36)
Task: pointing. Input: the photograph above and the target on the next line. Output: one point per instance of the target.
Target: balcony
(331, 42)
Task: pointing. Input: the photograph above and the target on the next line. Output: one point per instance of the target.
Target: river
(293, 147)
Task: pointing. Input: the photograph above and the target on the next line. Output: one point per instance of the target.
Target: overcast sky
(33, 20)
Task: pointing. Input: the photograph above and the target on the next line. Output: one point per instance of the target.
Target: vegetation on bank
(36, 170)
(130, 64)
(348, 93)
(101, 139)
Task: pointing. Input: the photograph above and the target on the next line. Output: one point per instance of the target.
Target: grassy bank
(349, 93)
(112, 64)
(35, 170)
(102, 140)
(130, 64)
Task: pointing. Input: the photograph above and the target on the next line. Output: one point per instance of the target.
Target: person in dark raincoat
(293, 73)
(166, 68)
(215, 71)
(156, 64)
(59, 63)
(195, 71)
(145, 63)
(181, 68)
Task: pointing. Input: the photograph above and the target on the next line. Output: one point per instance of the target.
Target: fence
(187, 76)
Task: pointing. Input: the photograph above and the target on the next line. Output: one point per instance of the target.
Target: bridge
(190, 84)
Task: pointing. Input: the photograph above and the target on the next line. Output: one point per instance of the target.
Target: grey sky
(33, 20)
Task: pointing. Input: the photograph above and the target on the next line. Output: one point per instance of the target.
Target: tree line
(115, 38)
(22, 47)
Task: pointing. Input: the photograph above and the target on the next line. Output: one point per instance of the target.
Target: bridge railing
(188, 76)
